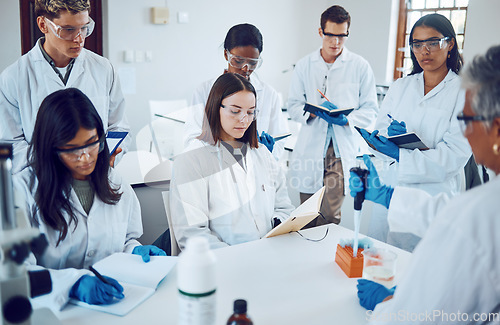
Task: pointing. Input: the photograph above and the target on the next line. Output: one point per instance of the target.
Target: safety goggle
(466, 121)
(75, 154)
(238, 114)
(70, 33)
(239, 62)
(432, 45)
(335, 37)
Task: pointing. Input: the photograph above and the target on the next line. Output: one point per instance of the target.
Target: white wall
(482, 27)
(185, 55)
(10, 33)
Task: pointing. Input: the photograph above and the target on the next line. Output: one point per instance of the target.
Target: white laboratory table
(285, 279)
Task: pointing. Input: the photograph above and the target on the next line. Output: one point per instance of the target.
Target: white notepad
(139, 279)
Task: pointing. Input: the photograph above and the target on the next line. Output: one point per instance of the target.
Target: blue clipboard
(114, 139)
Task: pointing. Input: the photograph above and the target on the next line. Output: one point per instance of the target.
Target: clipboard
(114, 139)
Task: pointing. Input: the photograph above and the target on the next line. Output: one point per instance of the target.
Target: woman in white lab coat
(225, 186)
(73, 197)
(425, 102)
(243, 46)
(453, 276)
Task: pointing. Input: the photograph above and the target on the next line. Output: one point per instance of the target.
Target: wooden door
(30, 32)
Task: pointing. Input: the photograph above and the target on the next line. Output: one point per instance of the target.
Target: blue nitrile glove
(364, 242)
(396, 128)
(372, 293)
(375, 191)
(339, 119)
(267, 140)
(381, 144)
(93, 291)
(148, 250)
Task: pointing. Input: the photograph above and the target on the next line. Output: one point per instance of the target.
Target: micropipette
(358, 203)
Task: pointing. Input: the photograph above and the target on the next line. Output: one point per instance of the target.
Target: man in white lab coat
(327, 147)
(57, 61)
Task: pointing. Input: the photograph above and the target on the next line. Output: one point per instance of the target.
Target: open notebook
(139, 279)
(305, 213)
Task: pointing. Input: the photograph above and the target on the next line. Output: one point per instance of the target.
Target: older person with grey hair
(454, 274)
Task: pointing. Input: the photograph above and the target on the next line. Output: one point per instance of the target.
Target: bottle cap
(240, 306)
(197, 244)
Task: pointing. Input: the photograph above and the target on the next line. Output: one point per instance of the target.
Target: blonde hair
(52, 8)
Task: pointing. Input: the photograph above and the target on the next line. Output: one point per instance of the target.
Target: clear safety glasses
(337, 38)
(431, 45)
(238, 114)
(466, 121)
(75, 154)
(239, 62)
(70, 33)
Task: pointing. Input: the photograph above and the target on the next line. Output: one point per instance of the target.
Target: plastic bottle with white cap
(196, 282)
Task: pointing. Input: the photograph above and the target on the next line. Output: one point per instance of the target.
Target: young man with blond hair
(57, 61)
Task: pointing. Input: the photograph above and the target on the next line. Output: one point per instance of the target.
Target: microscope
(17, 240)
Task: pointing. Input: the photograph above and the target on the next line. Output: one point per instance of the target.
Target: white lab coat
(213, 196)
(349, 83)
(270, 118)
(455, 267)
(411, 206)
(433, 118)
(107, 229)
(26, 83)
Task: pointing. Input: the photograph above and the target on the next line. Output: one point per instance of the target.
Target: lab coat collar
(36, 55)
(227, 159)
(420, 77)
(256, 83)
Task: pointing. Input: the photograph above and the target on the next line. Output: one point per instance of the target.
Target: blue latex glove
(396, 128)
(267, 140)
(375, 191)
(148, 250)
(340, 119)
(381, 144)
(93, 291)
(372, 293)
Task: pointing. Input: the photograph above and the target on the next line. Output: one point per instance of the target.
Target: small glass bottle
(240, 317)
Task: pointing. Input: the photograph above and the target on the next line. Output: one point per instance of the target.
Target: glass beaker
(379, 265)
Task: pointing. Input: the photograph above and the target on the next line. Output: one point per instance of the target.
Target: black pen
(99, 276)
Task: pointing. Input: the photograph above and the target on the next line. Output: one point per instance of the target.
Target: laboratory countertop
(285, 280)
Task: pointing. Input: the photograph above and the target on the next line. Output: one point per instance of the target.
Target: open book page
(129, 268)
(134, 296)
(139, 279)
(305, 213)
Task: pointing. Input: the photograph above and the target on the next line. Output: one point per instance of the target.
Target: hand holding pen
(96, 290)
(396, 128)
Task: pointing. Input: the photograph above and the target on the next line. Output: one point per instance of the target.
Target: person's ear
(225, 55)
(451, 44)
(495, 128)
(42, 24)
(320, 31)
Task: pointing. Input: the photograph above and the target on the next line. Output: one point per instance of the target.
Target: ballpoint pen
(392, 119)
(98, 275)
